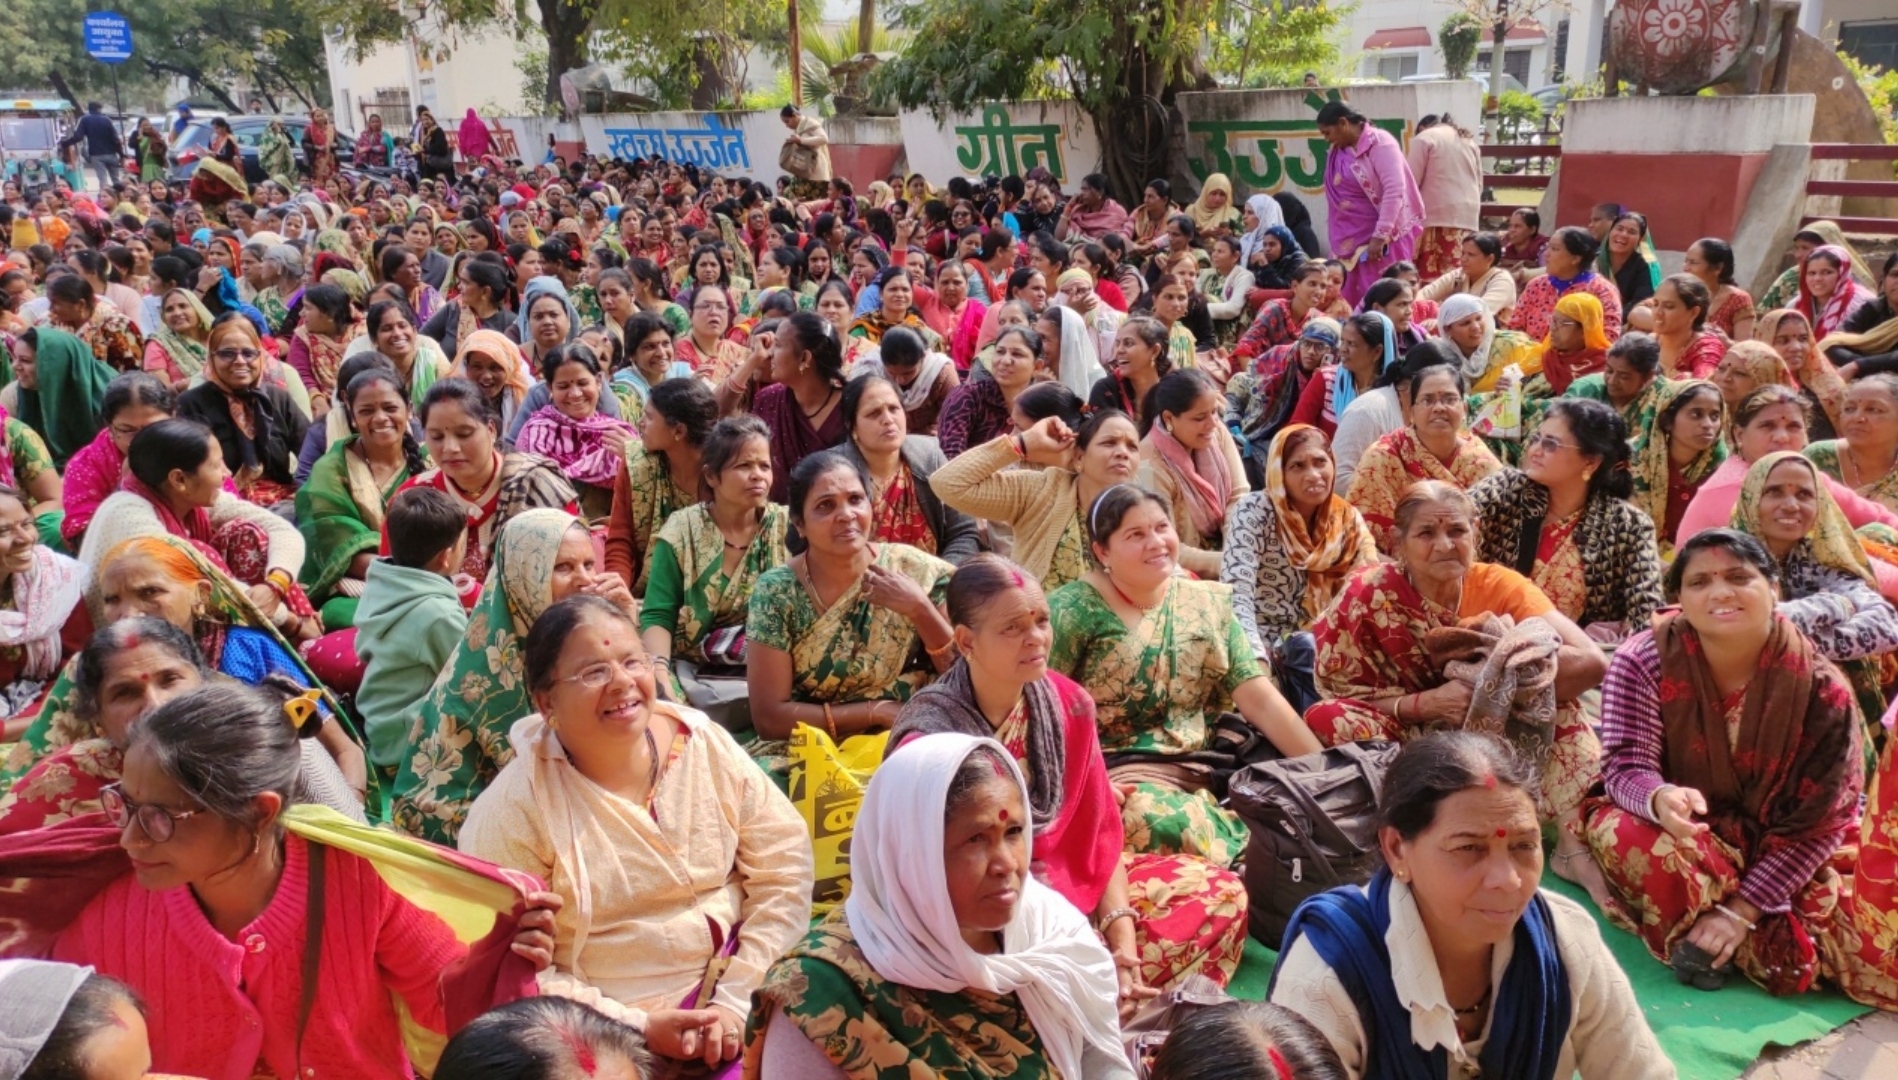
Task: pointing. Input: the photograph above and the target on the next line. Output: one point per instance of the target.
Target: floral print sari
(1400, 459)
(1159, 688)
(875, 1029)
(1371, 647)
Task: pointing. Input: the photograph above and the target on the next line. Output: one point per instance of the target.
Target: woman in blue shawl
(1452, 962)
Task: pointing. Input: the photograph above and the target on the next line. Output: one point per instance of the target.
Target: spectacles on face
(707, 308)
(598, 676)
(232, 356)
(1442, 401)
(1550, 443)
(157, 822)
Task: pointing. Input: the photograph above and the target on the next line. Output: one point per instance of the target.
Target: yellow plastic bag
(1500, 416)
(827, 787)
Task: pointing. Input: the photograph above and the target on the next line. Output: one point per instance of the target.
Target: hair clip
(1094, 512)
(1279, 1065)
(300, 709)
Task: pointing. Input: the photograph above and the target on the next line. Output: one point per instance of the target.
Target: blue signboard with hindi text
(108, 37)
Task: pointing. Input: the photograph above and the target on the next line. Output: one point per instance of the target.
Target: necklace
(810, 583)
(1858, 472)
(1124, 598)
(830, 392)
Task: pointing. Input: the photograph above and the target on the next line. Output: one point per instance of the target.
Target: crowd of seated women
(420, 618)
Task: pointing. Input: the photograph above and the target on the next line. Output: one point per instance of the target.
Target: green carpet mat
(1709, 1036)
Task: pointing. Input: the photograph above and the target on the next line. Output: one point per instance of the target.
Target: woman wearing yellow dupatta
(1790, 335)
(842, 635)
(1747, 366)
(1827, 583)
(1686, 443)
(1435, 446)
(1213, 212)
(1288, 550)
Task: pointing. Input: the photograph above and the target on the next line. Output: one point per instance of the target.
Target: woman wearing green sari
(1163, 656)
(58, 386)
(1630, 380)
(340, 507)
(1863, 458)
(842, 635)
(701, 577)
(541, 556)
(277, 156)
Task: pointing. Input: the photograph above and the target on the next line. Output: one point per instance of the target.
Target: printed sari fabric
(521, 482)
(851, 651)
(459, 738)
(1371, 647)
(899, 514)
(1828, 455)
(650, 498)
(1400, 459)
(688, 592)
(235, 638)
(1662, 489)
(1779, 765)
(1159, 687)
(1190, 916)
(339, 512)
(874, 1029)
(64, 785)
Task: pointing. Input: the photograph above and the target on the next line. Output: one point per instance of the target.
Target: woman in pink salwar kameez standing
(1376, 211)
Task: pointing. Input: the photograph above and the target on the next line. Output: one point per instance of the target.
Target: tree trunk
(866, 25)
(1499, 32)
(566, 23)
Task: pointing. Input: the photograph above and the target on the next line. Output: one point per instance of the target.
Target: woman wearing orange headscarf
(1577, 342)
(495, 364)
(1288, 551)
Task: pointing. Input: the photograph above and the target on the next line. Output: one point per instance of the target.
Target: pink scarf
(1847, 297)
(579, 447)
(44, 597)
(195, 526)
(1202, 475)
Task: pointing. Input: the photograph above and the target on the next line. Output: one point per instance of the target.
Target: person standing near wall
(1376, 212)
(1449, 172)
(806, 154)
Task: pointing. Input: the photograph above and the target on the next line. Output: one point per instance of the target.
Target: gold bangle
(831, 721)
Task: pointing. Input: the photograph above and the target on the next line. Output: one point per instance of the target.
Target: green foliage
(1108, 52)
(531, 63)
(272, 44)
(824, 49)
(1275, 42)
(1457, 40)
(1519, 112)
(1881, 89)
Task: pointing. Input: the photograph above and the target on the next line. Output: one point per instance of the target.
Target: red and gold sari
(1371, 647)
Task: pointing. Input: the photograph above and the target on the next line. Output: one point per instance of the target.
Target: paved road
(1865, 1049)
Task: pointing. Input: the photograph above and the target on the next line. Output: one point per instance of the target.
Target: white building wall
(479, 73)
(1372, 16)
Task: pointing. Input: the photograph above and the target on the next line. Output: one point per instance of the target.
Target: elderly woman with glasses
(258, 426)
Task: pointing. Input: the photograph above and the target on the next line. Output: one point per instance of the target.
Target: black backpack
(1313, 823)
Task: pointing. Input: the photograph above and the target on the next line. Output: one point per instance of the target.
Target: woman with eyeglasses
(1434, 445)
(210, 878)
(257, 426)
(1563, 521)
(695, 871)
(126, 670)
(542, 557)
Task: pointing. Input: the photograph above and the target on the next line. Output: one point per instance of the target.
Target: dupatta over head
(900, 914)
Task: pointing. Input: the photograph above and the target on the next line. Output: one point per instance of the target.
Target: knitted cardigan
(1621, 566)
(1039, 504)
(123, 516)
(219, 1008)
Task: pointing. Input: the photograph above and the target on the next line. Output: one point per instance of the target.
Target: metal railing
(1826, 188)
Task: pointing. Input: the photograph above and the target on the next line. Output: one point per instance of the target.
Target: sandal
(1693, 966)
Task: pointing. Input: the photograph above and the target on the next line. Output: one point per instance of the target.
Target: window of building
(1393, 68)
(1871, 43)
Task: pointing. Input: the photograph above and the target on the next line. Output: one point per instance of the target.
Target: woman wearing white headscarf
(1262, 212)
(949, 959)
(1465, 322)
(1070, 349)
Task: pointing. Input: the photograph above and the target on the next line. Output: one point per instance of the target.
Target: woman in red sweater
(213, 924)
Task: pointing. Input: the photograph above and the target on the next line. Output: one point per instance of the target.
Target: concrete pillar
(1584, 40)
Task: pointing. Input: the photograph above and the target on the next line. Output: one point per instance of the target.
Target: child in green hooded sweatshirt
(410, 620)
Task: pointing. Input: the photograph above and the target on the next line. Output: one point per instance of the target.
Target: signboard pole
(118, 102)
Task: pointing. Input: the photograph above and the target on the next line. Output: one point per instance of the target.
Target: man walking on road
(105, 151)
